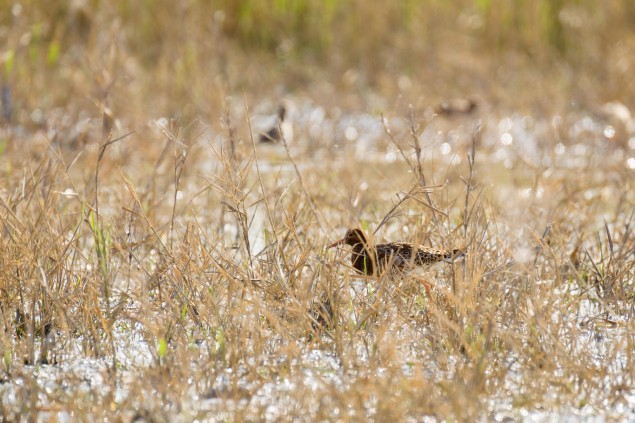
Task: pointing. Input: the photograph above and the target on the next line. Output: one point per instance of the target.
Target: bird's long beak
(336, 243)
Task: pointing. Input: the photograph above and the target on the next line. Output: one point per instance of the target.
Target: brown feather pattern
(368, 258)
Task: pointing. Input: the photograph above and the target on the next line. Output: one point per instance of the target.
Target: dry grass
(172, 268)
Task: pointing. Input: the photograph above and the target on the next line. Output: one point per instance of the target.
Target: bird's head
(353, 237)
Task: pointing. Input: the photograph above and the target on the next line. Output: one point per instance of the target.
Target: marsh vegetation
(159, 263)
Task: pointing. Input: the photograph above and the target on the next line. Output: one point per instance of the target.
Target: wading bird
(373, 259)
(273, 134)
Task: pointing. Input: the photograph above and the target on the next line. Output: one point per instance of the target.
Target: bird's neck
(364, 258)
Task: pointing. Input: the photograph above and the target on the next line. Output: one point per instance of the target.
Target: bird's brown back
(405, 255)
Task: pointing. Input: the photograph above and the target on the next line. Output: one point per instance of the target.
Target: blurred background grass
(182, 58)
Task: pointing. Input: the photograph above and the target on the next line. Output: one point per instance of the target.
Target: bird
(273, 134)
(374, 260)
(455, 107)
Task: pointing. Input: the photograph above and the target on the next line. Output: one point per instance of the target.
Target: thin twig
(262, 185)
(545, 233)
(469, 184)
(409, 195)
(320, 219)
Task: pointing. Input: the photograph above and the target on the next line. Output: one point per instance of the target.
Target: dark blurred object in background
(7, 109)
